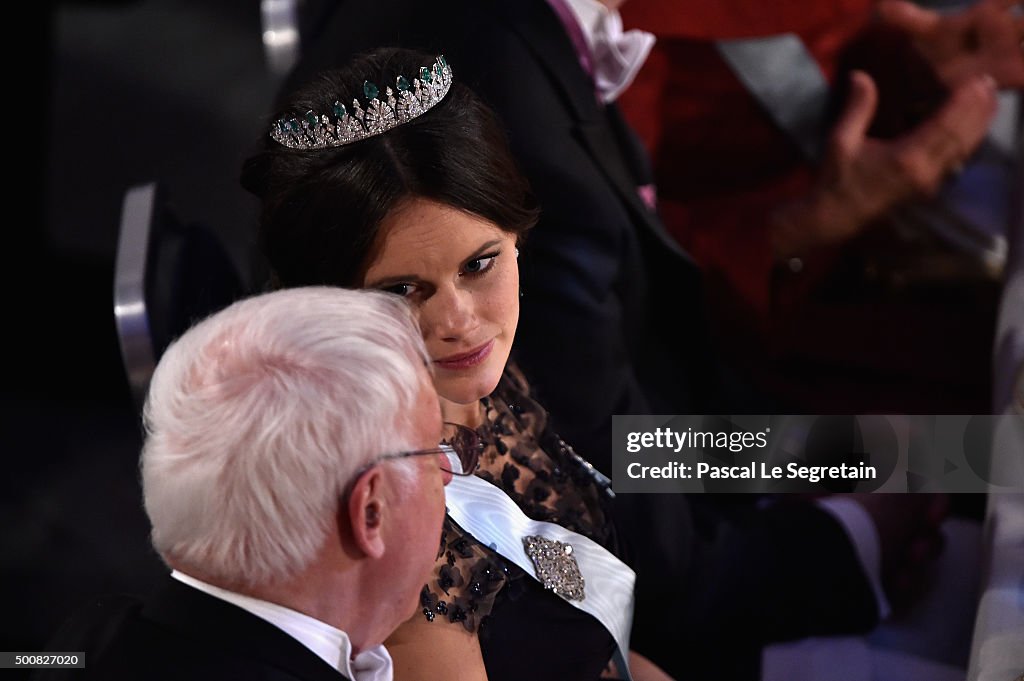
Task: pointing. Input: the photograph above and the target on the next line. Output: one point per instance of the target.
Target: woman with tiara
(389, 174)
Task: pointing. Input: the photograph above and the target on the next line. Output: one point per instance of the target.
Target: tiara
(344, 126)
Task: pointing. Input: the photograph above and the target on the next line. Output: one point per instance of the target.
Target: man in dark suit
(611, 323)
(294, 508)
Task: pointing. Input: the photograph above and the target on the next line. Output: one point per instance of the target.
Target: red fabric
(740, 18)
(722, 167)
(721, 164)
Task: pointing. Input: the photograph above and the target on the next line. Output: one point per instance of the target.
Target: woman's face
(459, 271)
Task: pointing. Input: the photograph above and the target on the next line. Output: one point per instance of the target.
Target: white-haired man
(282, 477)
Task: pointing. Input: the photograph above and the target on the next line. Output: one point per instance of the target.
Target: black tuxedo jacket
(611, 323)
(181, 634)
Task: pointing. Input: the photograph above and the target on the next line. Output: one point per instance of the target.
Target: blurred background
(109, 95)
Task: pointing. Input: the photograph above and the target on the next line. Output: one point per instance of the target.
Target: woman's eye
(481, 264)
(403, 290)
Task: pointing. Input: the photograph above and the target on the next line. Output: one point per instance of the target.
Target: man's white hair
(259, 417)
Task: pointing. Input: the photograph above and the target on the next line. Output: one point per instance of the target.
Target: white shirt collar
(328, 643)
(617, 55)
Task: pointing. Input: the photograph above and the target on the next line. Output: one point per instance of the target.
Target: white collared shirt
(328, 643)
(617, 55)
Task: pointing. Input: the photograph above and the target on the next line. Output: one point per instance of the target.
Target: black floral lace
(545, 478)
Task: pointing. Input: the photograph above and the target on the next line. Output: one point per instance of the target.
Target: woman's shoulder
(466, 580)
(535, 467)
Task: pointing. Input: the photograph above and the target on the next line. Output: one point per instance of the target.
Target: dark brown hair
(322, 209)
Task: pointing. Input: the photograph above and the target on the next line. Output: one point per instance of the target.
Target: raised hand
(986, 38)
(861, 178)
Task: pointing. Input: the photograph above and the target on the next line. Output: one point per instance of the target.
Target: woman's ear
(366, 513)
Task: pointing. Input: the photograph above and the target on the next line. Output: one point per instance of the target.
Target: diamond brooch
(556, 566)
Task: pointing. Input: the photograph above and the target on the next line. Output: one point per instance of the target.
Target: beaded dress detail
(543, 476)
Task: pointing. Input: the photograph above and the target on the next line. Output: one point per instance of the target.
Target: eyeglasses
(458, 443)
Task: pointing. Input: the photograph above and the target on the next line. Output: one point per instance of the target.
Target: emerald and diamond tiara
(343, 126)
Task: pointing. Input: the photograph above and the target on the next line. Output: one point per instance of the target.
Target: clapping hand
(861, 178)
(986, 38)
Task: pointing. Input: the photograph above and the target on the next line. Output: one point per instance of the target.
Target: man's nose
(445, 463)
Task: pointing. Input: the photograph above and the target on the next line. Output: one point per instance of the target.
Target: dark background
(101, 96)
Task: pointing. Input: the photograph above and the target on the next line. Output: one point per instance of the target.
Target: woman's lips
(465, 360)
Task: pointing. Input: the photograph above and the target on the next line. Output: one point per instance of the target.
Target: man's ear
(366, 513)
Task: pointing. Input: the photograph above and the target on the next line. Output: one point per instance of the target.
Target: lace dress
(525, 631)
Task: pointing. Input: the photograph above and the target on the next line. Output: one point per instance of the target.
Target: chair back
(287, 25)
(168, 274)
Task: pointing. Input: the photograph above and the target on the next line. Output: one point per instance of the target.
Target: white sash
(493, 519)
